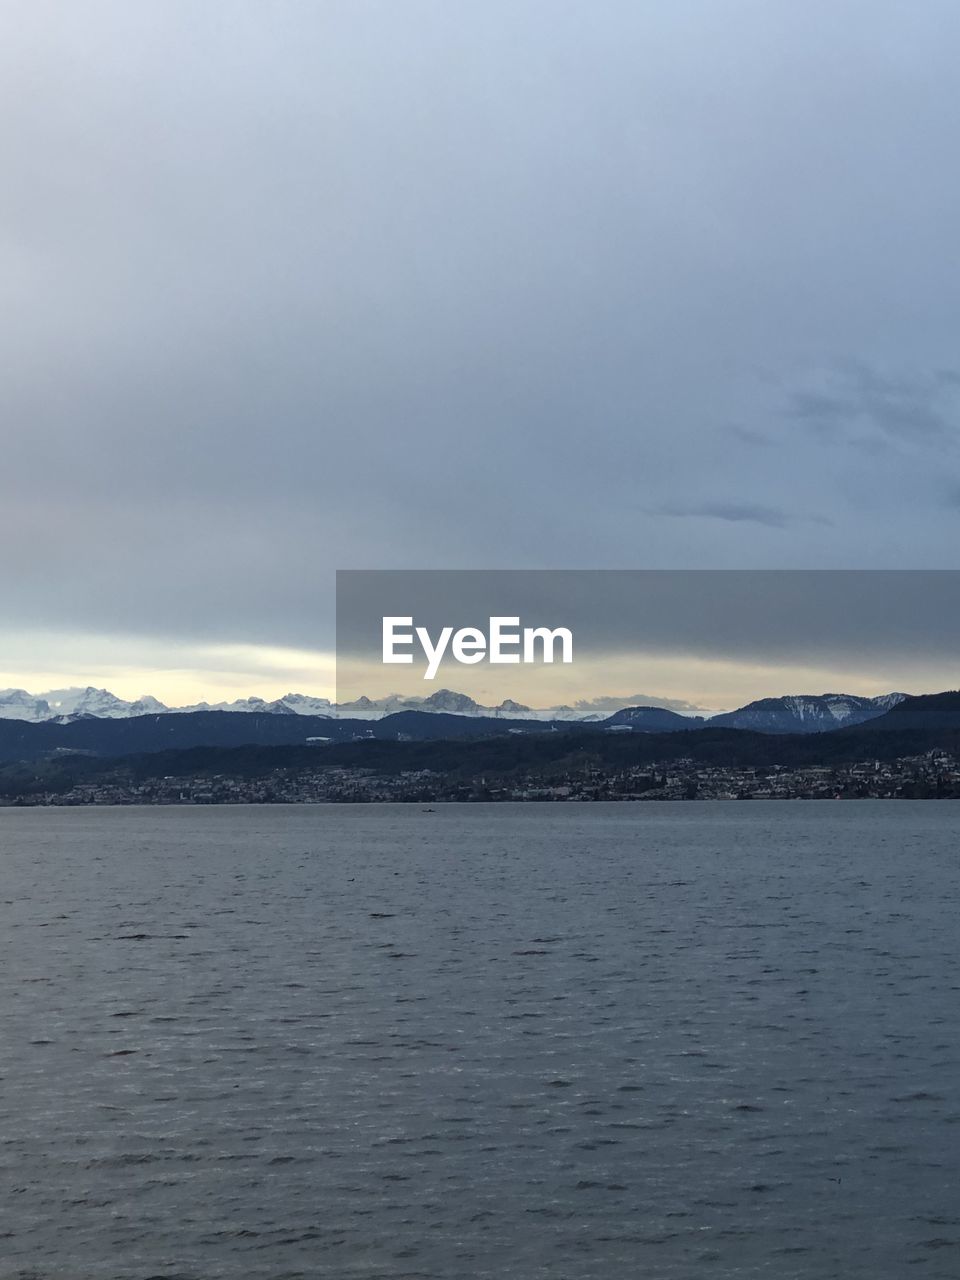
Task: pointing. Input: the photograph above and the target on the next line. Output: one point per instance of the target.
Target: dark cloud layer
(297, 286)
(861, 401)
(821, 617)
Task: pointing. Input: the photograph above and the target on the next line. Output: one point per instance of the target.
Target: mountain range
(798, 714)
(789, 714)
(827, 723)
(63, 705)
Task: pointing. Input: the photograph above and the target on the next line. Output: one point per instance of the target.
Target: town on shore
(933, 774)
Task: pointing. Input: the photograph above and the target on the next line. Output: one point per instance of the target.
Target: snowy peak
(301, 704)
(450, 703)
(807, 713)
(70, 704)
(99, 703)
(17, 704)
(888, 700)
(146, 706)
(510, 710)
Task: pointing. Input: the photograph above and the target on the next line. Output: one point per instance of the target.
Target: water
(703, 1040)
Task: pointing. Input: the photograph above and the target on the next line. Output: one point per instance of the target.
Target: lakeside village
(933, 775)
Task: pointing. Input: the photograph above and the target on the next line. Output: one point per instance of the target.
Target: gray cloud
(922, 410)
(749, 435)
(736, 512)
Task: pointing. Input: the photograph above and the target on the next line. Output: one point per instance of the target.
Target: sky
(291, 287)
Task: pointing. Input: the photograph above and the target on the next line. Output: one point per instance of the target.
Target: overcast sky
(409, 283)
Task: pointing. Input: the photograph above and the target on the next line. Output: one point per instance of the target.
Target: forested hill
(493, 756)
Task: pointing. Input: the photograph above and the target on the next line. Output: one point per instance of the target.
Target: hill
(926, 711)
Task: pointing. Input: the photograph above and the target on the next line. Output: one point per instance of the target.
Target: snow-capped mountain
(17, 704)
(279, 707)
(69, 704)
(887, 700)
(86, 702)
(811, 713)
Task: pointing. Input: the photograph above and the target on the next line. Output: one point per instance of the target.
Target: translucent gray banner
(713, 636)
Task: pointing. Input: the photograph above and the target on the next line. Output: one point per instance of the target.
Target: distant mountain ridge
(651, 720)
(807, 713)
(63, 705)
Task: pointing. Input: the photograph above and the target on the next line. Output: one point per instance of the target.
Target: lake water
(702, 1040)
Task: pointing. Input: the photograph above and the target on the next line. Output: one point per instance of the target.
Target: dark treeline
(496, 756)
(180, 731)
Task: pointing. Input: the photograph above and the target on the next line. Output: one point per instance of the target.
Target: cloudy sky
(297, 286)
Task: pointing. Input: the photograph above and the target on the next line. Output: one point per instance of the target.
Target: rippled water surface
(700, 1040)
